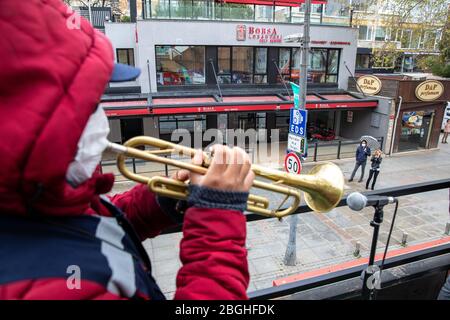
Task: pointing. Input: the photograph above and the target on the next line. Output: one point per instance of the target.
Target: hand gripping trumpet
(323, 185)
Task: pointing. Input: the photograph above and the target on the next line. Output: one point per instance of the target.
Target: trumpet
(323, 186)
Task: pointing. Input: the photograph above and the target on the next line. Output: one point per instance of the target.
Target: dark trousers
(445, 291)
(374, 174)
(444, 137)
(363, 168)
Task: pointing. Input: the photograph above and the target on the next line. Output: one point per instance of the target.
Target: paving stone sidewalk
(326, 239)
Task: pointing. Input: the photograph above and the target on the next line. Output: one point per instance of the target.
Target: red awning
(255, 103)
(288, 3)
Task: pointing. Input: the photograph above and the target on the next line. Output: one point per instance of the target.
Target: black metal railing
(334, 149)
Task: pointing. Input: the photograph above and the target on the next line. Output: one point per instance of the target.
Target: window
(260, 65)
(224, 63)
(380, 34)
(242, 65)
(362, 61)
(263, 13)
(323, 65)
(180, 65)
(125, 56)
(180, 9)
(406, 38)
(160, 9)
(282, 14)
(233, 11)
(168, 124)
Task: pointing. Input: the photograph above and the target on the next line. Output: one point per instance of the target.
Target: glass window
(202, 9)
(242, 65)
(282, 14)
(317, 65)
(233, 11)
(284, 61)
(295, 64)
(261, 61)
(380, 34)
(160, 9)
(406, 38)
(168, 124)
(362, 32)
(333, 61)
(224, 63)
(180, 9)
(180, 65)
(125, 56)
(362, 61)
(263, 13)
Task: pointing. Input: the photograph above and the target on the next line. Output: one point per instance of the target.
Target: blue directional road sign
(297, 123)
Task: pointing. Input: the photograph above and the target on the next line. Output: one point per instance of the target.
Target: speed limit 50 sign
(292, 163)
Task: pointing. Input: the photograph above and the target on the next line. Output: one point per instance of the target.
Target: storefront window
(263, 13)
(242, 65)
(260, 65)
(415, 130)
(323, 65)
(180, 65)
(192, 123)
(317, 66)
(224, 62)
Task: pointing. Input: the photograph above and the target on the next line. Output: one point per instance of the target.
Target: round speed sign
(292, 163)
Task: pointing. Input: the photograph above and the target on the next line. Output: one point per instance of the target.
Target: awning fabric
(208, 104)
(287, 3)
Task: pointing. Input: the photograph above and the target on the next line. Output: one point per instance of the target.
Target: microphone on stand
(357, 201)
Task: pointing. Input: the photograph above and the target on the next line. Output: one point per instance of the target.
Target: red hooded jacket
(53, 69)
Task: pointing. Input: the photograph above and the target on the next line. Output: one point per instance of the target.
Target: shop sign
(429, 90)
(260, 34)
(370, 85)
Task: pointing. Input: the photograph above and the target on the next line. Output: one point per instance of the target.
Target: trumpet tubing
(323, 186)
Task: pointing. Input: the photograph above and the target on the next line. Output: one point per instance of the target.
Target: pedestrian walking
(362, 152)
(375, 168)
(446, 132)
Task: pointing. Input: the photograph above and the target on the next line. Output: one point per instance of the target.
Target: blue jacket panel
(361, 154)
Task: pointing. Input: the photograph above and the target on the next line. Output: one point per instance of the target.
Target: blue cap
(123, 72)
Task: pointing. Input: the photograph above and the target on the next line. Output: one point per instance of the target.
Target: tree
(113, 4)
(401, 24)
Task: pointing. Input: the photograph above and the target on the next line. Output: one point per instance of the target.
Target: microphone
(357, 201)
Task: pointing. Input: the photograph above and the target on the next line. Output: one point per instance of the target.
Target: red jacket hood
(52, 75)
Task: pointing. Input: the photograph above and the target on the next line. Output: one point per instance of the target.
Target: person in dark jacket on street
(375, 168)
(63, 235)
(362, 152)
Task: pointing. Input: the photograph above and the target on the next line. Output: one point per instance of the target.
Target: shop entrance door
(131, 128)
(425, 130)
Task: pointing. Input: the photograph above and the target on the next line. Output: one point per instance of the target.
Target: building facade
(230, 73)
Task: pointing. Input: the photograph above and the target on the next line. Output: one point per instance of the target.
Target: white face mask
(363, 144)
(91, 145)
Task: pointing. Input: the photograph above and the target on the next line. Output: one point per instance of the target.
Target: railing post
(339, 150)
(134, 165)
(101, 167)
(381, 143)
(315, 151)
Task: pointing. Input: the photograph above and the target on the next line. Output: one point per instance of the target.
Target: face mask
(363, 144)
(90, 148)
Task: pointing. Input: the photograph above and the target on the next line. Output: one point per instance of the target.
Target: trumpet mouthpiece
(116, 148)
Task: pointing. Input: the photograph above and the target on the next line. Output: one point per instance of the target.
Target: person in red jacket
(62, 238)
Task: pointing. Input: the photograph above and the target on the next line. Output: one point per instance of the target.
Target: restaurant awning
(287, 3)
(232, 103)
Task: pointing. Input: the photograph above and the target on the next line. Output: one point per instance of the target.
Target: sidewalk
(326, 239)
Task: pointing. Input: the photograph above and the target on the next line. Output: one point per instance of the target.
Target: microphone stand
(371, 281)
